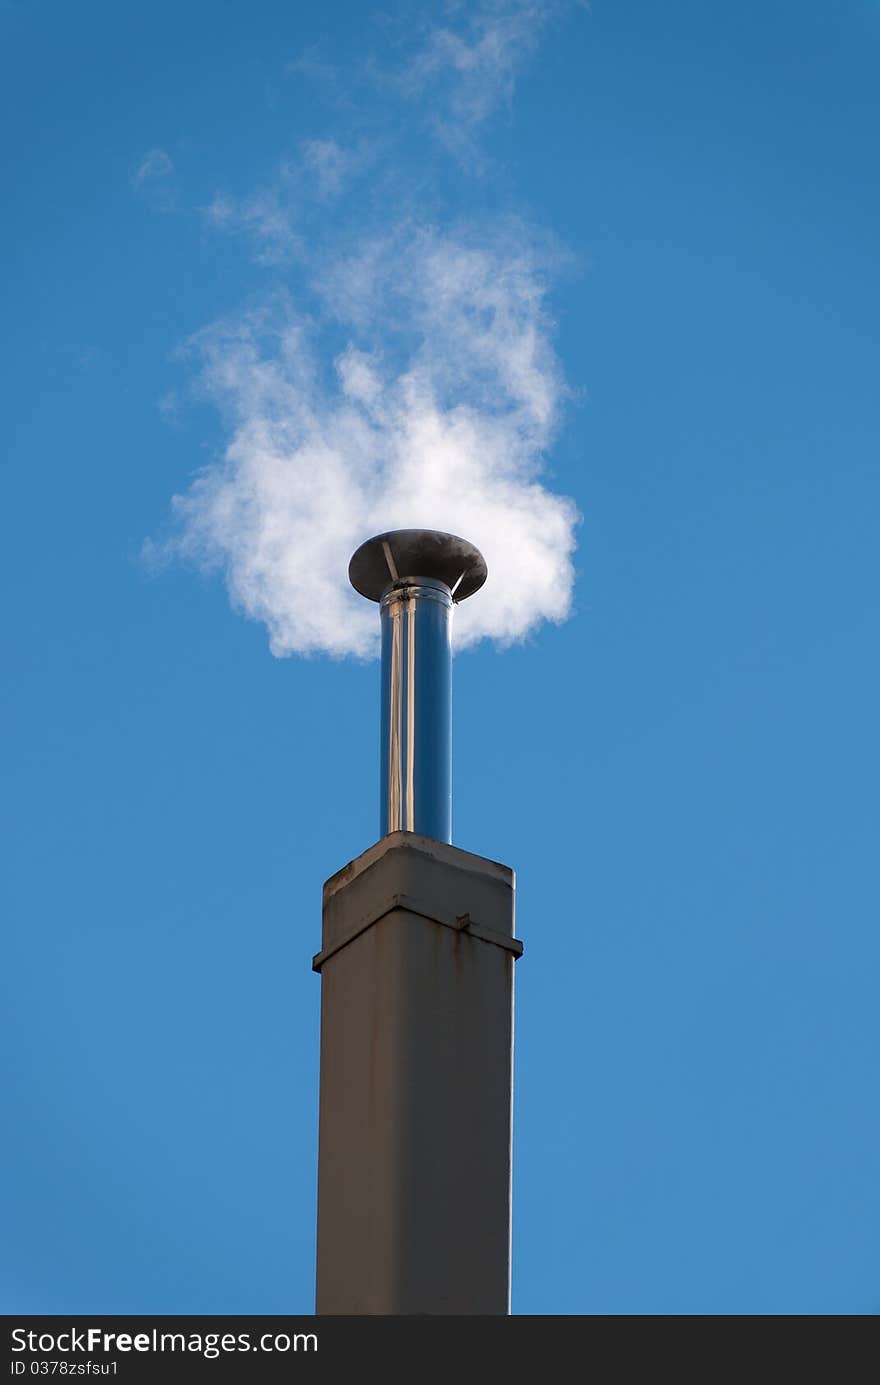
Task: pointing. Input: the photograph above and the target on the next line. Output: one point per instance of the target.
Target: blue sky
(683, 772)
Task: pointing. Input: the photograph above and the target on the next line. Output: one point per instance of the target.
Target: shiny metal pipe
(416, 736)
(416, 575)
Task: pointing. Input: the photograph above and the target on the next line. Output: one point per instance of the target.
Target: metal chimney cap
(403, 553)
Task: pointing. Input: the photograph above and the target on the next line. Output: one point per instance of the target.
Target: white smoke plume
(436, 414)
(408, 382)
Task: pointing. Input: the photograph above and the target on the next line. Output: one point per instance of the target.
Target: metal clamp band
(462, 924)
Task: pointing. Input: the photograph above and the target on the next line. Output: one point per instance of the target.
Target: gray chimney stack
(416, 965)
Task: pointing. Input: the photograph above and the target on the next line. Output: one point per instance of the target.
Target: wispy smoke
(469, 68)
(409, 383)
(153, 180)
(155, 164)
(263, 217)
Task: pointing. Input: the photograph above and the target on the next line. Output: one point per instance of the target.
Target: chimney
(417, 576)
(416, 966)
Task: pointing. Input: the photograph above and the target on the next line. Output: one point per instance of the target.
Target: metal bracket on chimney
(412, 905)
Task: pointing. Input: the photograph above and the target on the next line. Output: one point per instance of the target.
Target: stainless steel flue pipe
(417, 576)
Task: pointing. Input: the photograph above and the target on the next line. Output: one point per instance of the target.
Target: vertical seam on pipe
(394, 720)
(447, 807)
(411, 714)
